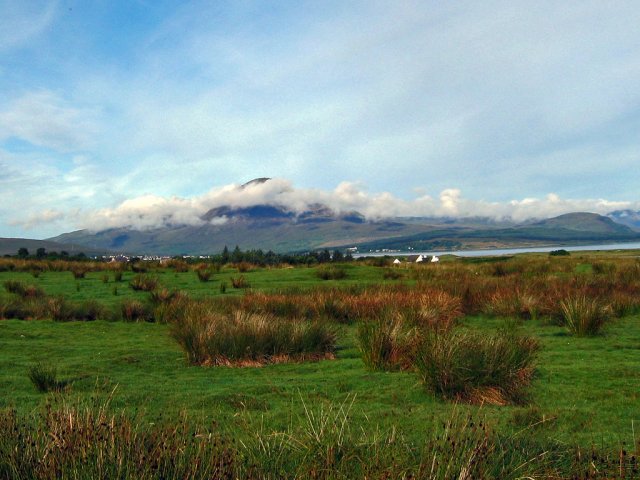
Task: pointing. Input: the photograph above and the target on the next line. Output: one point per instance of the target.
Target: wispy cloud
(43, 119)
(22, 21)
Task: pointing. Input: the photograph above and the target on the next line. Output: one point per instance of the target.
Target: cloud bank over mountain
(153, 211)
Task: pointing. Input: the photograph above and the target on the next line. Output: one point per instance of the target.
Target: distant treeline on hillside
(259, 257)
(256, 257)
(42, 254)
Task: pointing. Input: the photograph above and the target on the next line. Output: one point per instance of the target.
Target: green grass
(587, 385)
(584, 391)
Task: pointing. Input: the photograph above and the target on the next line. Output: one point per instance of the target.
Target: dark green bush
(331, 272)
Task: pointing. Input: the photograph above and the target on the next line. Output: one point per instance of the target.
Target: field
(332, 418)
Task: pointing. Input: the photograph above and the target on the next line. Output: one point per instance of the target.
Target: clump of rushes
(117, 276)
(74, 441)
(241, 339)
(331, 272)
(391, 274)
(477, 367)
(386, 343)
(134, 310)
(243, 267)
(59, 309)
(44, 377)
(23, 290)
(144, 283)
(239, 282)
(204, 273)
(163, 295)
(584, 316)
(434, 309)
(79, 271)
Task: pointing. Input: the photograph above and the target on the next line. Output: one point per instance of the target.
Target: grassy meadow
(394, 372)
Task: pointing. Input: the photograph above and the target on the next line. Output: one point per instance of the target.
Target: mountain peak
(255, 181)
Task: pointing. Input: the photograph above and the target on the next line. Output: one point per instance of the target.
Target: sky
(139, 112)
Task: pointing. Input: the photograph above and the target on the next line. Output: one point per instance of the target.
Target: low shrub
(331, 272)
(584, 316)
(241, 339)
(90, 310)
(477, 367)
(392, 274)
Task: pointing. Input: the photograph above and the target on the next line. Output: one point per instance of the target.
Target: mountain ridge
(276, 228)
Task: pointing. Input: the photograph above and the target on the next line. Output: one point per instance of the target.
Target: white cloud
(43, 119)
(151, 211)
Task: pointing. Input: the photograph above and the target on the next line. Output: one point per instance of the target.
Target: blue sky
(116, 110)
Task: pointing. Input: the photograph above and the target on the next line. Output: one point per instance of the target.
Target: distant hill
(583, 222)
(630, 218)
(569, 229)
(10, 246)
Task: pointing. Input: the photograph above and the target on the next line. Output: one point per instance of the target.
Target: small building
(415, 258)
(397, 262)
(435, 259)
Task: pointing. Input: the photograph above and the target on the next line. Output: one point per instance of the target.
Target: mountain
(627, 217)
(259, 226)
(276, 228)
